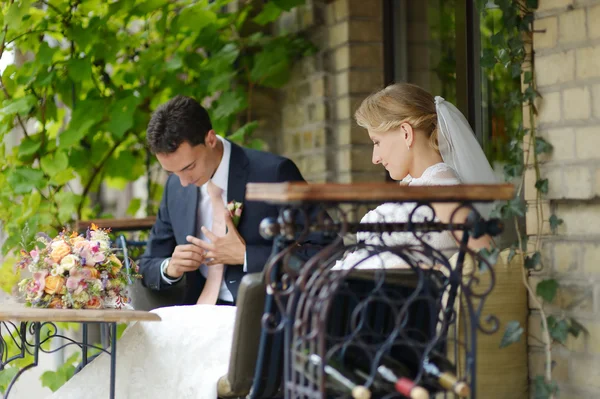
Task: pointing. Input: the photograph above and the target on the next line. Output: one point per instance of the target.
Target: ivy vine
(511, 54)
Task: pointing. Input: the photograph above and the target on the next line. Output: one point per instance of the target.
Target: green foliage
(554, 223)
(543, 389)
(512, 333)
(546, 289)
(509, 26)
(56, 379)
(93, 73)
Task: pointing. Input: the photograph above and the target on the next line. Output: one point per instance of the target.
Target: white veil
(461, 151)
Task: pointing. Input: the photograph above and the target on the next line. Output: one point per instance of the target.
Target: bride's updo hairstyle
(400, 103)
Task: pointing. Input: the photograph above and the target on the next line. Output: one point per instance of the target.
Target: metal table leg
(113, 358)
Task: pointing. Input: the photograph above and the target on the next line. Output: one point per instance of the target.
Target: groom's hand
(185, 258)
(228, 250)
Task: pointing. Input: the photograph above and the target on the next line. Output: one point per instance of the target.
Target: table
(32, 320)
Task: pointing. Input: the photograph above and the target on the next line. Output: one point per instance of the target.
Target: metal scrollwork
(323, 308)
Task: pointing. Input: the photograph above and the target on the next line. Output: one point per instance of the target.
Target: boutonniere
(235, 211)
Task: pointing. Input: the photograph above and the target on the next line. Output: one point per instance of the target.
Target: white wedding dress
(180, 357)
(436, 175)
(185, 354)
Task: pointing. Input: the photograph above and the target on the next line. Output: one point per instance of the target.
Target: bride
(418, 139)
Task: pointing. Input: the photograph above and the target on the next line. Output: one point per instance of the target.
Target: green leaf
(56, 379)
(6, 376)
(45, 54)
(230, 103)
(74, 133)
(532, 262)
(575, 328)
(515, 70)
(221, 82)
(174, 63)
(546, 289)
(542, 186)
(134, 206)
(488, 59)
(87, 114)
(16, 11)
(62, 177)
(269, 13)
(35, 199)
(121, 115)
(532, 4)
(67, 206)
(24, 180)
(52, 164)
(512, 333)
(542, 146)
(527, 77)
(497, 39)
(80, 69)
(558, 329)
(543, 389)
(243, 133)
(20, 105)
(489, 258)
(503, 56)
(196, 17)
(28, 147)
(554, 223)
(271, 66)
(147, 6)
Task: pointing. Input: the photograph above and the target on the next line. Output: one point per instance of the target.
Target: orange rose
(94, 303)
(54, 284)
(60, 249)
(77, 239)
(55, 303)
(116, 264)
(94, 273)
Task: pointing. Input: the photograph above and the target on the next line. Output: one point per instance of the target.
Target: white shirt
(205, 214)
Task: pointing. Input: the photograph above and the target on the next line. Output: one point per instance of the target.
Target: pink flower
(73, 283)
(93, 258)
(35, 255)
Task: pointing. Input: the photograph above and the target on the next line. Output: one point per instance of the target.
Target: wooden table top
(121, 224)
(18, 312)
(380, 192)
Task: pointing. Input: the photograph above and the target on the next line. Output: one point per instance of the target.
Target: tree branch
(28, 33)
(97, 170)
(54, 8)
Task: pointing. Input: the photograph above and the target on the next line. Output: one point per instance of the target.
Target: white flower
(68, 262)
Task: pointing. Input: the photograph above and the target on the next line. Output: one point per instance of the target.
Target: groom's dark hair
(180, 119)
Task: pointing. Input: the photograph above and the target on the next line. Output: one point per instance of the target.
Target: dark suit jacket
(177, 218)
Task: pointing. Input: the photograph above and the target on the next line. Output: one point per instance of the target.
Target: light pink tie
(214, 278)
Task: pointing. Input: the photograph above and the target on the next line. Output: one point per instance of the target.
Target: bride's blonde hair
(387, 109)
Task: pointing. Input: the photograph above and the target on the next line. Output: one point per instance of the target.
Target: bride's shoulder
(439, 174)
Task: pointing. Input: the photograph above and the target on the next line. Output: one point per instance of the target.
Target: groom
(193, 235)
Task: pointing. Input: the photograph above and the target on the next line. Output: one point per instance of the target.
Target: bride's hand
(185, 258)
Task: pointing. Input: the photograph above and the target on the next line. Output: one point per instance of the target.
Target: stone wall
(567, 67)
(317, 105)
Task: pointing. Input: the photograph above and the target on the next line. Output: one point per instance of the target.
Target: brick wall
(317, 129)
(567, 66)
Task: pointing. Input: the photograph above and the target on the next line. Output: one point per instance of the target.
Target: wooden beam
(121, 224)
(375, 192)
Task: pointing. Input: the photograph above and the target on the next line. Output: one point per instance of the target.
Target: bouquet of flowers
(74, 271)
